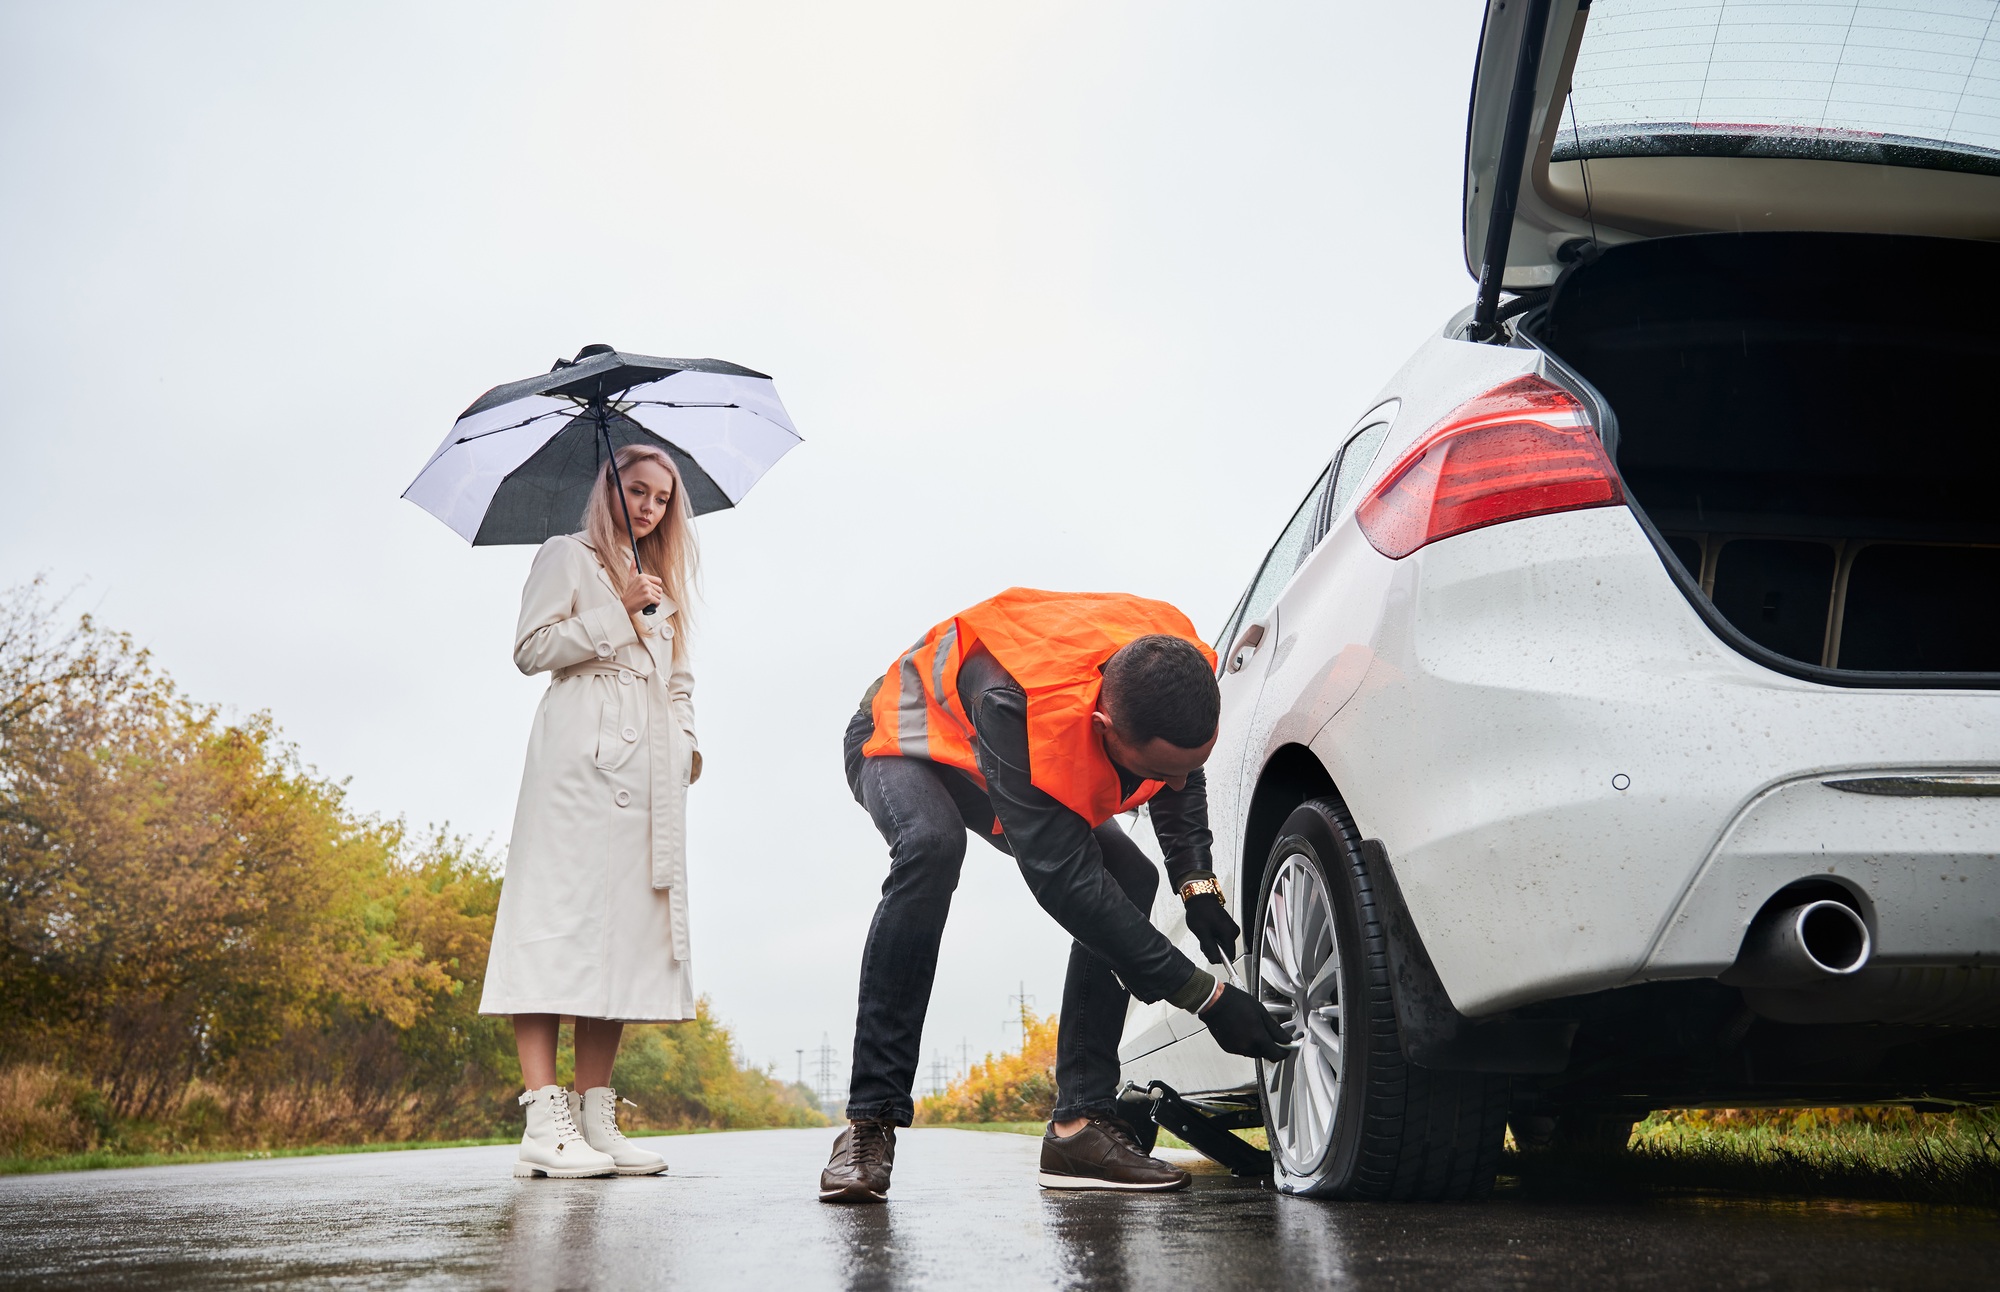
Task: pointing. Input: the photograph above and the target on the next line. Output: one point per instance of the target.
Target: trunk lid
(1621, 120)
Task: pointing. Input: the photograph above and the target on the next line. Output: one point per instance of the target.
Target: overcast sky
(1074, 295)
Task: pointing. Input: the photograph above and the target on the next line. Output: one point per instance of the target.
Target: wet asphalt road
(737, 1211)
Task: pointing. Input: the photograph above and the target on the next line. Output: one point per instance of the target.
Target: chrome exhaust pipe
(1796, 945)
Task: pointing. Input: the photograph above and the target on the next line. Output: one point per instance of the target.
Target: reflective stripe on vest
(1054, 645)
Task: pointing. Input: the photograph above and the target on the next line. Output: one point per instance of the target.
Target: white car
(1614, 725)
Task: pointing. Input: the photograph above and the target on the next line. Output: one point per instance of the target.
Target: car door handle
(1246, 646)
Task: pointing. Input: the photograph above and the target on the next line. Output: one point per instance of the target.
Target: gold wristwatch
(1196, 887)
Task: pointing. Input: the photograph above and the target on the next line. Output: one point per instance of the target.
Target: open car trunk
(1811, 422)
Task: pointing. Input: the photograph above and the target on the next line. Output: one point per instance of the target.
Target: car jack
(1207, 1131)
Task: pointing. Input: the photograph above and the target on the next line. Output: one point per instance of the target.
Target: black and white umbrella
(518, 465)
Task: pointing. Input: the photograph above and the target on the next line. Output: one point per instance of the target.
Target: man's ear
(1100, 721)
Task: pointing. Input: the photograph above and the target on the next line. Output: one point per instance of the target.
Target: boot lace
(607, 1116)
(869, 1145)
(1119, 1130)
(565, 1125)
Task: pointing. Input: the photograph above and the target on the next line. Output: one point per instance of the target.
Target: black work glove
(1241, 1026)
(1212, 927)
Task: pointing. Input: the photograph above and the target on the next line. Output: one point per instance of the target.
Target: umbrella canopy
(519, 463)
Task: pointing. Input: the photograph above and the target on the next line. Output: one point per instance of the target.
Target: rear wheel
(1347, 1115)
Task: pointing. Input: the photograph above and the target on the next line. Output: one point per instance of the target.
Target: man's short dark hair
(1161, 687)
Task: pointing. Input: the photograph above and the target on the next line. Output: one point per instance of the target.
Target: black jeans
(924, 810)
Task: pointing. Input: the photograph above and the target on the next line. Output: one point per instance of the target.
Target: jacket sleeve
(1062, 864)
(1180, 823)
(552, 634)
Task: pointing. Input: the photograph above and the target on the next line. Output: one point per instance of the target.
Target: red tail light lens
(1523, 449)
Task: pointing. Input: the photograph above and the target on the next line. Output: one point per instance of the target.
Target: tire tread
(1426, 1135)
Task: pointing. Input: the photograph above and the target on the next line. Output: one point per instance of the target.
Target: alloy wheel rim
(1298, 982)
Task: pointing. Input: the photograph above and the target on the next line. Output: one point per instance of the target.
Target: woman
(593, 911)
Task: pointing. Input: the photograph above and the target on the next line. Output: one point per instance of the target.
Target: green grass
(104, 1159)
(1004, 1128)
(1951, 1161)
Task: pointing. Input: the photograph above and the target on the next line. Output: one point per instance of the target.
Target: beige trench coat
(593, 908)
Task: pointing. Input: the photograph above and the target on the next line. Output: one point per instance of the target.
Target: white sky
(1069, 295)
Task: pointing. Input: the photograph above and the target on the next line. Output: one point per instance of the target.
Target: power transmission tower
(824, 1088)
(1021, 1000)
(802, 1068)
(940, 1078)
(964, 1057)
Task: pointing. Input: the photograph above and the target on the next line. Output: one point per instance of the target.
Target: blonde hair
(669, 553)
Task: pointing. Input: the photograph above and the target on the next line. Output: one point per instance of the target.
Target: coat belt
(669, 863)
(603, 668)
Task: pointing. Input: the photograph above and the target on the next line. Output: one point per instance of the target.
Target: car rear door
(1611, 121)
(1326, 616)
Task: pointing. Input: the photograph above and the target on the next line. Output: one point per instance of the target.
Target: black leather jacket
(1055, 850)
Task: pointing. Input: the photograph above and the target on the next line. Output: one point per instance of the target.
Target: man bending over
(1032, 719)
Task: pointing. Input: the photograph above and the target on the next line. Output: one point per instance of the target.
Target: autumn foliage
(1019, 1086)
(201, 944)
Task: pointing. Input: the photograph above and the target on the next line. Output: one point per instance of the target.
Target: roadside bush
(45, 1112)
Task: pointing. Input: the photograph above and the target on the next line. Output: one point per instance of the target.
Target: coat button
(624, 797)
(604, 650)
(631, 734)
(624, 678)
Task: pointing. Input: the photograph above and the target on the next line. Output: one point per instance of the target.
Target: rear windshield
(1915, 83)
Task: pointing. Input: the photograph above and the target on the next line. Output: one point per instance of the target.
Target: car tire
(1354, 1120)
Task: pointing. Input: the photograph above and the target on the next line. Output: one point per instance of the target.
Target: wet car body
(1616, 723)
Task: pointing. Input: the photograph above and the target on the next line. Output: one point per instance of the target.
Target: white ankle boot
(553, 1145)
(596, 1113)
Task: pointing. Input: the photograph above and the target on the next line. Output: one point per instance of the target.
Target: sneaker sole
(853, 1195)
(1054, 1180)
(528, 1170)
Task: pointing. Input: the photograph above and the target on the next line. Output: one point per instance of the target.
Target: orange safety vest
(1053, 643)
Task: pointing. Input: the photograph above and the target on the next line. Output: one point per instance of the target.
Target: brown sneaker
(1105, 1155)
(863, 1156)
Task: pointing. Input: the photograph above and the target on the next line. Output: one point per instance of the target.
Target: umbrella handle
(618, 485)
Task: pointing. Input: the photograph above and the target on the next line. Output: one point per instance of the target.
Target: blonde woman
(593, 910)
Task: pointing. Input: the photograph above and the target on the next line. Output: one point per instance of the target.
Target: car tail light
(1523, 449)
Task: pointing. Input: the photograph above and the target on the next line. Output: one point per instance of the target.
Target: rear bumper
(1920, 869)
(1580, 787)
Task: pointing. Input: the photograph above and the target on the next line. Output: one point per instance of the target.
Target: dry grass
(51, 1120)
(102, 1160)
(47, 1114)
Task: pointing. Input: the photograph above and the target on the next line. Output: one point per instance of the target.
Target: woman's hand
(644, 590)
